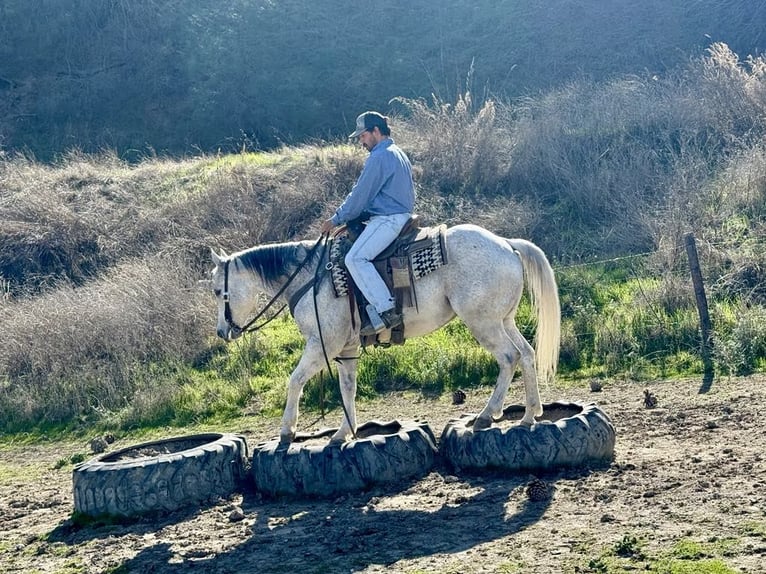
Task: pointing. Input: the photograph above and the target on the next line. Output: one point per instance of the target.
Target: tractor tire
(570, 435)
(160, 476)
(381, 453)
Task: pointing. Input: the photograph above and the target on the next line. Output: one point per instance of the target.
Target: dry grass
(73, 352)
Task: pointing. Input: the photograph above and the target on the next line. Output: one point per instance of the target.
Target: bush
(462, 155)
(740, 341)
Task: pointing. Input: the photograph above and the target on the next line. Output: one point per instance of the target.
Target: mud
(690, 468)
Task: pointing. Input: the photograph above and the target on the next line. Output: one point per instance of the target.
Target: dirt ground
(690, 470)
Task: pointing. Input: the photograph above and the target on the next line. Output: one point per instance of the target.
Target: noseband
(236, 329)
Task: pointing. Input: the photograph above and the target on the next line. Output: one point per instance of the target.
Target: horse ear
(215, 257)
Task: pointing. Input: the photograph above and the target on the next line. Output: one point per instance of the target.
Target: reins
(317, 281)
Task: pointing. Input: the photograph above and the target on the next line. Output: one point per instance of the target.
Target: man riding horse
(386, 193)
(482, 284)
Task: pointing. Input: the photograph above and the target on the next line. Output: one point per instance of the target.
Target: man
(386, 192)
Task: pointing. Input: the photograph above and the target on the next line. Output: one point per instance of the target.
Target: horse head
(232, 295)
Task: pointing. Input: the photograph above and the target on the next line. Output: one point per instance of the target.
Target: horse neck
(274, 265)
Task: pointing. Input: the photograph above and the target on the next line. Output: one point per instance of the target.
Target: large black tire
(163, 475)
(382, 453)
(570, 435)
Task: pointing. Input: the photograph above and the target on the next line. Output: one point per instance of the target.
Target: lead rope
(315, 290)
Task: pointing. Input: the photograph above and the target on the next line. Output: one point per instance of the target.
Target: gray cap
(367, 122)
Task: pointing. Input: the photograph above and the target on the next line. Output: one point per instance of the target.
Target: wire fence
(659, 317)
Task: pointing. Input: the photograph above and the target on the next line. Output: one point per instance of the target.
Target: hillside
(180, 77)
(103, 323)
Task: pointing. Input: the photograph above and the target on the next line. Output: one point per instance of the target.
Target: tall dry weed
(460, 148)
(463, 157)
(72, 352)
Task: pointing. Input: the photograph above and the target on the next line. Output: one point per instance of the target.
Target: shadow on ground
(350, 533)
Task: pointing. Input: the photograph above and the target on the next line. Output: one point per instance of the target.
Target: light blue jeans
(380, 232)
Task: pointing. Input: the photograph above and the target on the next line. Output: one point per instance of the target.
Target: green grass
(446, 360)
(620, 322)
(253, 372)
(684, 556)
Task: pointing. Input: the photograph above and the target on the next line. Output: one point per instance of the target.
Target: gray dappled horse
(482, 284)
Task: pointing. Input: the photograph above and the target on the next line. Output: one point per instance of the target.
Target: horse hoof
(526, 424)
(286, 439)
(481, 423)
(339, 439)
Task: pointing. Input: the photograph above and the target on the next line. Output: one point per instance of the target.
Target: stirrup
(391, 318)
(376, 324)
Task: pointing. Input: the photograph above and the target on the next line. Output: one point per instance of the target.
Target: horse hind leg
(496, 340)
(533, 405)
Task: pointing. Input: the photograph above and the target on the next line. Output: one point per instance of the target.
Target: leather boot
(380, 322)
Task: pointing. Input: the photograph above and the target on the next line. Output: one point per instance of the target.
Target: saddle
(416, 252)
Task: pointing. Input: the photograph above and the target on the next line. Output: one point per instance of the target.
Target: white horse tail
(544, 294)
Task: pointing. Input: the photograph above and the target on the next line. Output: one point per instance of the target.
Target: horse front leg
(310, 364)
(347, 379)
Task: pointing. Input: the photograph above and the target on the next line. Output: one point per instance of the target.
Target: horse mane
(273, 261)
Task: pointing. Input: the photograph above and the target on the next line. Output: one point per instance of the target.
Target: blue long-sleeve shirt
(384, 187)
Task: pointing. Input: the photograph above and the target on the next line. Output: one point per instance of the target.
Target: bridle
(248, 327)
(233, 327)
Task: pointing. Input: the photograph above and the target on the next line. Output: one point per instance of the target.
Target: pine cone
(538, 490)
(650, 401)
(98, 445)
(458, 397)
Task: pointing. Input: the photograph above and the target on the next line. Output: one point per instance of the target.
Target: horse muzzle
(229, 332)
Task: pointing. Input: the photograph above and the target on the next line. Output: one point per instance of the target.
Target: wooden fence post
(699, 293)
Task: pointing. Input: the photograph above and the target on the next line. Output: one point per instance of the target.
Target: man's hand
(327, 227)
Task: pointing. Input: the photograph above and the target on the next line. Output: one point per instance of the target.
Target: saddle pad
(424, 254)
(338, 273)
(427, 254)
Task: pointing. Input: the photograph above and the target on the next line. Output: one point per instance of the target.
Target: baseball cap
(367, 121)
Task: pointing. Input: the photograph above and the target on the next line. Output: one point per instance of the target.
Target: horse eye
(217, 292)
